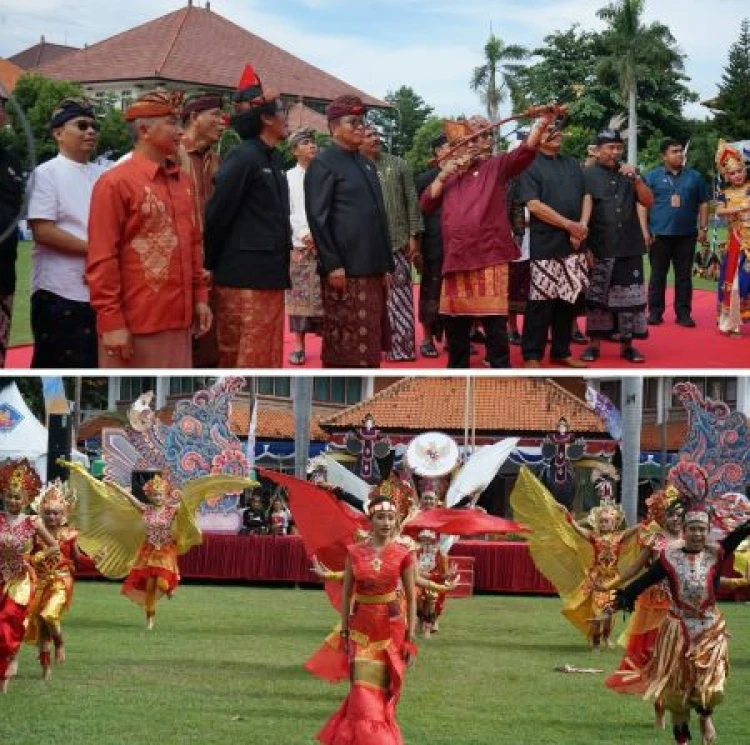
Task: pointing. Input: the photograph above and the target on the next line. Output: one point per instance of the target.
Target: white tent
(22, 435)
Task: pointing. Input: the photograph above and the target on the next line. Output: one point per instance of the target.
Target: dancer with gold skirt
(690, 660)
(55, 575)
(19, 484)
(664, 528)
(578, 561)
(734, 205)
(377, 638)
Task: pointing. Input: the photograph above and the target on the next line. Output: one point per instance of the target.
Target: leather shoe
(655, 319)
(687, 322)
(568, 362)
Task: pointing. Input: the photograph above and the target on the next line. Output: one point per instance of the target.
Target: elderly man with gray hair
(145, 259)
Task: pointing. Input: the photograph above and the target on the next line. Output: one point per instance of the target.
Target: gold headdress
(58, 493)
(20, 478)
(661, 503)
(728, 157)
(155, 485)
(607, 506)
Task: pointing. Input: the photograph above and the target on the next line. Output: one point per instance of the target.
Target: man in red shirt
(145, 259)
(477, 242)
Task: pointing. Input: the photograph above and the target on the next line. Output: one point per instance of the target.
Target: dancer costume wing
(565, 558)
(111, 529)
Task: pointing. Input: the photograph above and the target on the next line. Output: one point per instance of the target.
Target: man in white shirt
(62, 320)
(304, 304)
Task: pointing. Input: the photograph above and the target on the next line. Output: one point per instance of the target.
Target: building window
(651, 394)
(279, 387)
(131, 388)
(126, 98)
(188, 386)
(94, 395)
(337, 390)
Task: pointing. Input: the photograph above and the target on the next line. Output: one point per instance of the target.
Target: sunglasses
(84, 125)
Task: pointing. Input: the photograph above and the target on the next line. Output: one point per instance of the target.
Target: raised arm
(45, 536)
(626, 597)
(733, 539)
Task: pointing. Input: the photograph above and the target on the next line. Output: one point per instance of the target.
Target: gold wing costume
(571, 563)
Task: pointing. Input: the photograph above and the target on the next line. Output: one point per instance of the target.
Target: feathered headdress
(607, 505)
(691, 481)
(20, 478)
(661, 503)
(156, 485)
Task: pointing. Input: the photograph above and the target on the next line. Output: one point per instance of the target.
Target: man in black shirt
(11, 196)
(248, 236)
(616, 298)
(347, 219)
(431, 250)
(552, 189)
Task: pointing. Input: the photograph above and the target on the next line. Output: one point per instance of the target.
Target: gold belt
(375, 599)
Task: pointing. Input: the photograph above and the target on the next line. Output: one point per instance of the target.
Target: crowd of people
(173, 258)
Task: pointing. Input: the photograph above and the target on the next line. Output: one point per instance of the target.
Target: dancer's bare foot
(150, 621)
(660, 717)
(708, 731)
(610, 644)
(4, 685)
(46, 673)
(13, 667)
(60, 654)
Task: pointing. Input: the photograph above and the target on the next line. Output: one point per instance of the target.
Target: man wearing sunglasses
(348, 222)
(62, 320)
(11, 197)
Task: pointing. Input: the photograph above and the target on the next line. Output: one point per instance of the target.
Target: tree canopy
(733, 117)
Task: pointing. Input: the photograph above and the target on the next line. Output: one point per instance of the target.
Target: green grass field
(20, 332)
(224, 667)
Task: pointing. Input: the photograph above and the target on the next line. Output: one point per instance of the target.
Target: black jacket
(432, 240)
(11, 197)
(247, 235)
(346, 214)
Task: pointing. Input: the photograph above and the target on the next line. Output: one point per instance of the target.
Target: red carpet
(669, 346)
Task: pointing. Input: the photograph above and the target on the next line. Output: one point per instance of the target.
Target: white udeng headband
(697, 517)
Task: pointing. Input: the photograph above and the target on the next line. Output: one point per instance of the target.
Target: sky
(380, 45)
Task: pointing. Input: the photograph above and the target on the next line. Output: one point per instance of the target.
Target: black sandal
(514, 338)
(631, 354)
(590, 354)
(428, 350)
(297, 357)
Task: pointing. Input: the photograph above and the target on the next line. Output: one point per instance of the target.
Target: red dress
(157, 556)
(377, 630)
(16, 585)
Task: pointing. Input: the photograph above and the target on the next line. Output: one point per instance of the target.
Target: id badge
(676, 201)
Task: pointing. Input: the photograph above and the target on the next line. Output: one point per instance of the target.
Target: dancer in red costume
(376, 636)
(18, 485)
(55, 574)
(652, 607)
(438, 576)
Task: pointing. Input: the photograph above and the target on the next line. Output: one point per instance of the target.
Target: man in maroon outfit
(477, 242)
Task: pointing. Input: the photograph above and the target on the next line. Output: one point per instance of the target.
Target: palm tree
(496, 77)
(632, 50)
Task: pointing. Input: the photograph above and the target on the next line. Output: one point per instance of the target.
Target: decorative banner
(10, 418)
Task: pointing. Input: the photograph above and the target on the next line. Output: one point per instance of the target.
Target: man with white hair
(144, 264)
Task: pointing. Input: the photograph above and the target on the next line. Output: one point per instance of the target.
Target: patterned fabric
(304, 299)
(64, 332)
(200, 163)
(429, 292)
(400, 197)
(559, 279)
(616, 299)
(166, 350)
(250, 327)
(355, 326)
(476, 292)
(6, 318)
(159, 524)
(145, 258)
(401, 311)
(519, 281)
(734, 274)
(15, 541)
